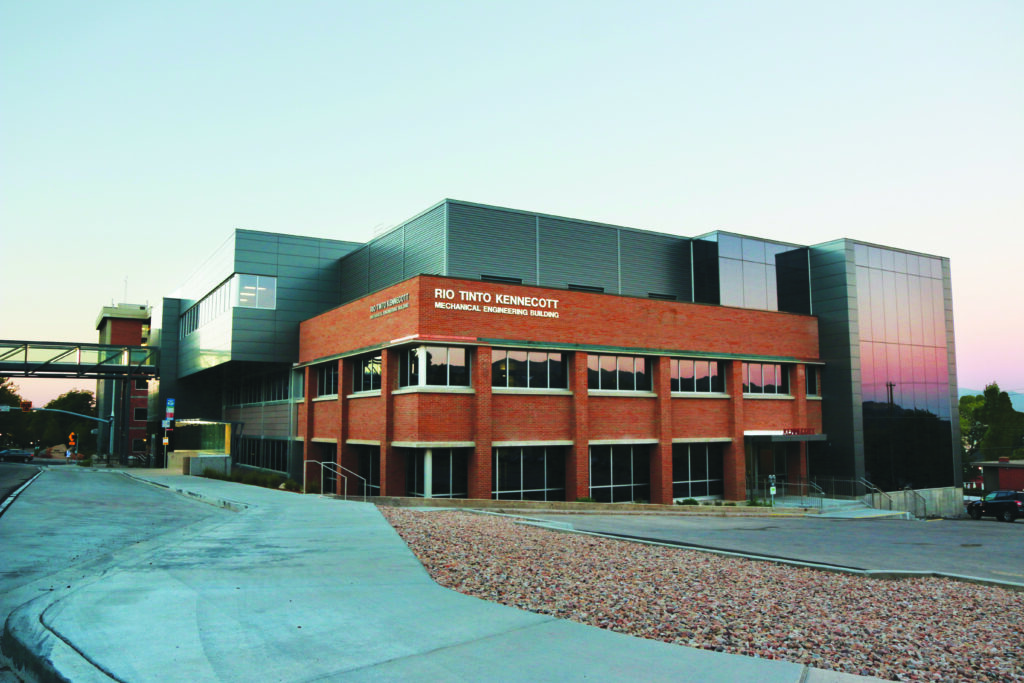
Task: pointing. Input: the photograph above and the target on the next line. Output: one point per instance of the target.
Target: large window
(697, 470)
(366, 373)
(369, 468)
(245, 291)
(529, 473)
(697, 376)
(765, 378)
(618, 373)
(528, 369)
(270, 454)
(326, 379)
(257, 291)
(620, 474)
(444, 366)
(448, 468)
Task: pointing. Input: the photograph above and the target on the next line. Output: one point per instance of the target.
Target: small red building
(1003, 474)
(445, 387)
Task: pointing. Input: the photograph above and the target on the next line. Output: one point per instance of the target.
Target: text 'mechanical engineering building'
(483, 352)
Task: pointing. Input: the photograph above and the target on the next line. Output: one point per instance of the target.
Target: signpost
(168, 425)
(771, 483)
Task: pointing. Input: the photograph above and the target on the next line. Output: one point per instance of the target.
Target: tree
(14, 427)
(990, 426)
(54, 428)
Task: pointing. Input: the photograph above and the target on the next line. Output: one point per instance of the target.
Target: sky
(135, 137)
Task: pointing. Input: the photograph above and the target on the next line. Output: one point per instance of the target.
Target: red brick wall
(531, 418)
(611, 323)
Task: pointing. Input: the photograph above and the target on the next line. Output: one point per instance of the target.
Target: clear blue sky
(135, 136)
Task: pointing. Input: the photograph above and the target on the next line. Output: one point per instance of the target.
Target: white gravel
(906, 630)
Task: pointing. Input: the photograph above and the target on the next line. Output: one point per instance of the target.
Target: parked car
(15, 455)
(1004, 505)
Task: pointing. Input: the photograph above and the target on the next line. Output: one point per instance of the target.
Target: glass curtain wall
(905, 381)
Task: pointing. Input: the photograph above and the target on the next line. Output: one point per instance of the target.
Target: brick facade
(438, 311)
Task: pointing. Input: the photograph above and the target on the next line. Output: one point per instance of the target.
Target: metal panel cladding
(485, 241)
(387, 257)
(578, 253)
(355, 274)
(655, 264)
(424, 244)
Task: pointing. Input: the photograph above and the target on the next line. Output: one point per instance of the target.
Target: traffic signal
(71, 439)
(26, 406)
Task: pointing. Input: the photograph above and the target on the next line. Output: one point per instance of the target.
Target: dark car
(14, 455)
(1004, 505)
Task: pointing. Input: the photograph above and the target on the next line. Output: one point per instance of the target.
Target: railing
(336, 469)
(918, 504)
(802, 494)
(874, 491)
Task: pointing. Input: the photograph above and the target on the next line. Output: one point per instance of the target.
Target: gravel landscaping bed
(908, 630)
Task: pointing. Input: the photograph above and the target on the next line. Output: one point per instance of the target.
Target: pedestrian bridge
(40, 359)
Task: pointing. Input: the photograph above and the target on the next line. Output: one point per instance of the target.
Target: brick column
(392, 473)
(661, 453)
(735, 485)
(577, 468)
(481, 462)
(796, 464)
(347, 456)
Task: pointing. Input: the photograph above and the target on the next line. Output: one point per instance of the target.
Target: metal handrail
(874, 489)
(335, 468)
(922, 499)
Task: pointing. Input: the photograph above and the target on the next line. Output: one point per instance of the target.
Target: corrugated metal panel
(487, 241)
(425, 244)
(578, 253)
(354, 273)
(386, 259)
(655, 264)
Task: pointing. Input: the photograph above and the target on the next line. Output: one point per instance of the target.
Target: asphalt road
(12, 476)
(985, 549)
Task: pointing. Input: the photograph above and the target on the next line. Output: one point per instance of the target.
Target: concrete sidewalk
(288, 587)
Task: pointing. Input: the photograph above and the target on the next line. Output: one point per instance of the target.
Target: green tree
(995, 429)
(14, 425)
(55, 427)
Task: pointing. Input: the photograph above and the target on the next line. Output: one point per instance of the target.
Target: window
(245, 291)
(528, 369)
(138, 445)
(697, 376)
(697, 470)
(449, 473)
(813, 381)
(620, 474)
(139, 414)
(618, 373)
(141, 384)
(444, 366)
(765, 378)
(529, 473)
(257, 291)
(366, 373)
(268, 454)
(327, 379)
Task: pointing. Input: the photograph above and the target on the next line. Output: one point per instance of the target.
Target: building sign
(475, 301)
(392, 305)
(798, 431)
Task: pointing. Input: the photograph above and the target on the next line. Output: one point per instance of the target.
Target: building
(125, 400)
(1002, 474)
(488, 352)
